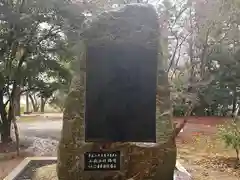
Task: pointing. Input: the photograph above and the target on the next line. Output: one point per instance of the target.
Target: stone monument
(134, 25)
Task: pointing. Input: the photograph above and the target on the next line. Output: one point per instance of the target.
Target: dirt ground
(6, 166)
(203, 154)
(9, 159)
(199, 150)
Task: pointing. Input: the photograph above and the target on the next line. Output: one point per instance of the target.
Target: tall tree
(32, 34)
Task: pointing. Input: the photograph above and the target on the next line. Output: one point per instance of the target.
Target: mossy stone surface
(140, 161)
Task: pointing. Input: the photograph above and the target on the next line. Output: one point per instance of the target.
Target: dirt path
(6, 166)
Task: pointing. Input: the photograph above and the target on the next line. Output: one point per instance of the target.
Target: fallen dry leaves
(207, 158)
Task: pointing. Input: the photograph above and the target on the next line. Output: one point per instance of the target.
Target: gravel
(41, 147)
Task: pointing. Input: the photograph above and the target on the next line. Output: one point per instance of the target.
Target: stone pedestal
(134, 26)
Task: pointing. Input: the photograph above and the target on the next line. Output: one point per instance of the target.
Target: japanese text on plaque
(102, 161)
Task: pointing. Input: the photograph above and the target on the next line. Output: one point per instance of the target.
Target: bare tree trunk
(34, 103)
(190, 50)
(27, 102)
(237, 152)
(16, 133)
(17, 106)
(12, 111)
(43, 103)
(237, 160)
(235, 114)
(234, 104)
(6, 125)
(6, 130)
(8, 117)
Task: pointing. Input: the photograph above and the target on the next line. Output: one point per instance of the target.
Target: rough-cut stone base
(139, 160)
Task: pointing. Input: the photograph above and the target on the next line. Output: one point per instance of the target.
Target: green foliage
(35, 46)
(213, 42)
(179, 109)
(230, 134)
(58, 99)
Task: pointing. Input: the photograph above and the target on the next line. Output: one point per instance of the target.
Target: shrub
(179, 110)
(230, 134)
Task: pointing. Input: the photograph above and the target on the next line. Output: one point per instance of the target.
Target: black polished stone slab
(102, 161)
(120, 93)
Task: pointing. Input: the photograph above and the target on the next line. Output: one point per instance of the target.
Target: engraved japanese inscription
(94, 161)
